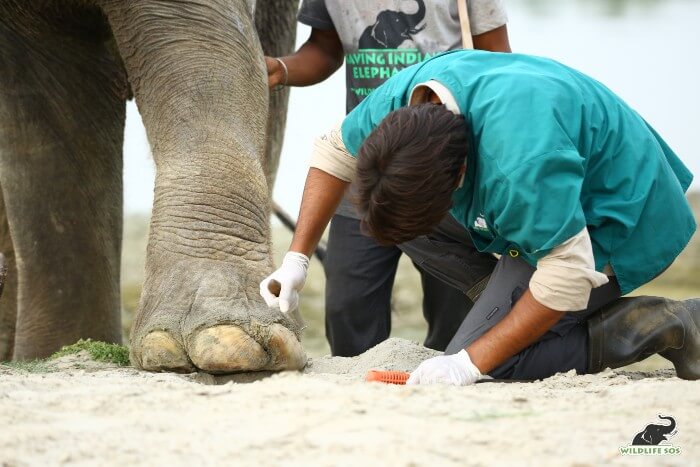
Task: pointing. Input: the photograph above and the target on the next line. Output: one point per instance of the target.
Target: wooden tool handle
(467, 42)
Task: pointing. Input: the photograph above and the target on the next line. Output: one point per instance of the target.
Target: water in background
(644, 50)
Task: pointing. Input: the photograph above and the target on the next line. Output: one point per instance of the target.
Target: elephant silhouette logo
(655, 433)
(391, 28)
(653, 440)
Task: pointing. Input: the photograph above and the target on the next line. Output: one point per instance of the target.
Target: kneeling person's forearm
(526, 322)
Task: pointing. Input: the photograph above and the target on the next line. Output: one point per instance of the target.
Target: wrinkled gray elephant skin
(197, 73)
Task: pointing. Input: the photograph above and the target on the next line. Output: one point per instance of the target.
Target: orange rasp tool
(389, 377)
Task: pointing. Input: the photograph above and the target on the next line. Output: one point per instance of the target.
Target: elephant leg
(8, 299)
(275, 21)
(197, 73)
(62, 111)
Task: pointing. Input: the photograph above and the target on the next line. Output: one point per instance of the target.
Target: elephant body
(392, 28)
(654, 433)
(197, 73)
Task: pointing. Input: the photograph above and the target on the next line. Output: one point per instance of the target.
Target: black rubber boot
(631, 329)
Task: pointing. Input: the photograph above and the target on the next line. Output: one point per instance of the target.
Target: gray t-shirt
(382, 37)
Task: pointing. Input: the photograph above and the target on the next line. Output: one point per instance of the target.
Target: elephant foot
(211, 323)
(160, 351)
(230, 349)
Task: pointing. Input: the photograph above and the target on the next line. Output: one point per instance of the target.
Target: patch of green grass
(33, 366)
(99, 351)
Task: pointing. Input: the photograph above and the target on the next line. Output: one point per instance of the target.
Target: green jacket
(553, 151)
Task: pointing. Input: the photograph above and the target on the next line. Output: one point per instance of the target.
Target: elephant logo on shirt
(391, 28)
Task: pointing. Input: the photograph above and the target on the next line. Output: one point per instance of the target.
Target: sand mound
(392, 354)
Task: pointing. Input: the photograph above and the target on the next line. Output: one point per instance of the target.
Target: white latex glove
(291, 276)
(455, 370)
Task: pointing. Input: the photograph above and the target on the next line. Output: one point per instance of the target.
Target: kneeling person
(551, 170)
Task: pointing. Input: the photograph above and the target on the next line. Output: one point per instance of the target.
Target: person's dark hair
(407, 170)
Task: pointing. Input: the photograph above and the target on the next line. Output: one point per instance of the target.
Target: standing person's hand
(276, 73)
(454, 370)
(315, 61)
(289, 278)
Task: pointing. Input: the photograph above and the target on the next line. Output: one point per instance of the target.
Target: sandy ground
(86, 413)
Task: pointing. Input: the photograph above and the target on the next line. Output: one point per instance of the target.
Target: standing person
(543, 165)
(378, 38)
